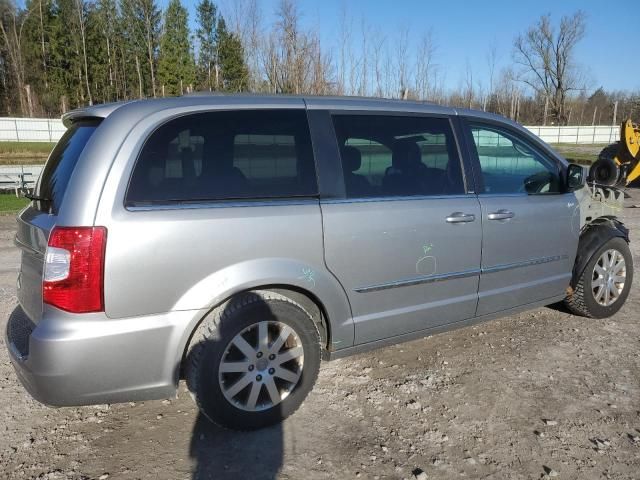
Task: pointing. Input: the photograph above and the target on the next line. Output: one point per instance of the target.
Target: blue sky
(465, 30)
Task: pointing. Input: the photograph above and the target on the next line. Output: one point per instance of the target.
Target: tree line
(62, 54)
(56, 55)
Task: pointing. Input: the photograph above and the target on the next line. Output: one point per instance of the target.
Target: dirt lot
(541, 394)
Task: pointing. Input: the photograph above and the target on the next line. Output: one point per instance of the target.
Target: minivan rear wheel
(253, 360)
(605, 282)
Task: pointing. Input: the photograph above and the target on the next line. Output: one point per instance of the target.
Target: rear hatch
(38, 219)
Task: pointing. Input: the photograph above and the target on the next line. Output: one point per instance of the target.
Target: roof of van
(148, 106)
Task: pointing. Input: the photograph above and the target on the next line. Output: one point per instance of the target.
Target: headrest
(351, 159)
(155, 158)
(406, 153)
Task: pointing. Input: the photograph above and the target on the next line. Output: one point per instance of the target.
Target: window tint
(384, 155)
(55, 176)
(375, 158)
(510, 165)
(226, 155)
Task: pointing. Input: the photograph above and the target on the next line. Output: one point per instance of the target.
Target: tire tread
(576, 301)
(209, 328)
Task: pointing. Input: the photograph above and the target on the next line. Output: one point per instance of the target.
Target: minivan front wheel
(604, 285)
(253, 360)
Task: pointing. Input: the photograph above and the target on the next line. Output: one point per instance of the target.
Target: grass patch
(580, 158)
(9, 203)
(582, 154)
(24, 153)
(598, 146)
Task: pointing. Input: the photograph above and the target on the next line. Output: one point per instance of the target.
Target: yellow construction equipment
(619, 163)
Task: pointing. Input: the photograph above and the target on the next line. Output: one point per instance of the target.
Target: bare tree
(140, 92)
(346, 51)
(546, 57)
(270, 61)
(245, 20)
(507, 94)
(293, 59)
(82, 27)
(402, 61)
(320, 82)
(253, 41)
(364, 54)
(108, 27)
(151, 41)
(469, 91)
(439, 82)
(378, 43)
(42, 45)
(425, 65)
(492, 60)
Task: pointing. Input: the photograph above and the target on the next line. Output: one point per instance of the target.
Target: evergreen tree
(104, 41)
(12, 22)
(66, 74)
(140, 24)
(36, 51)
(233, 68)
(176, 68)
(206, 34)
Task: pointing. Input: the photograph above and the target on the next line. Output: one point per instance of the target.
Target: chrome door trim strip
(527, 263)
(403, 198)
(285, 202)
(418, 281)
(455, 275)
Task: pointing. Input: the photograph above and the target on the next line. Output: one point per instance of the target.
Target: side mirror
(576, 177)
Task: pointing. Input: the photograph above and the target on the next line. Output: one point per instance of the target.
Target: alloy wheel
(261, 366)
(609, 277)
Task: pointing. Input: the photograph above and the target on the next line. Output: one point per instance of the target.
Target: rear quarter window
(55, 176)
(258, 154)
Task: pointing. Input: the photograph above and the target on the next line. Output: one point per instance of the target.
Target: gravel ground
(538, 395)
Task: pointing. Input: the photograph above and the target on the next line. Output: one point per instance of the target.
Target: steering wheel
(535, 183)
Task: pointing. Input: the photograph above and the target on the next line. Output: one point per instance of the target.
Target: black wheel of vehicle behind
(605, 171)
(604, 285)
(253, 361)
(610, 151)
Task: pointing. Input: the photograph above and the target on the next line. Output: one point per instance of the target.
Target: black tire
(610, 151)
(605, 171)
(209, 345)
(582, 301)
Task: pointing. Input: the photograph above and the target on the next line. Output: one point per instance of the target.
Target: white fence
(19, 177)
(50, 130)
(30, 129)
(582, 134)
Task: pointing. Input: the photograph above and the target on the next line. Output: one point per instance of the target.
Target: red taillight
(74, 269)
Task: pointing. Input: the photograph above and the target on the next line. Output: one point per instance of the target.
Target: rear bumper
(88, 359)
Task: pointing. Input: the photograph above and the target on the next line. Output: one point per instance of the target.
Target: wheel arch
(593, 236)
(311, 304)
(299, 295)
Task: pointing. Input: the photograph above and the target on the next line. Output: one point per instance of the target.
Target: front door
(405, 239)
(530, 228)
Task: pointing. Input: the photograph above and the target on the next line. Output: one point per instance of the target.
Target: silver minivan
(236, 241)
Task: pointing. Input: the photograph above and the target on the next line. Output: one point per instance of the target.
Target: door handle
(501, 214)
(459, 217)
